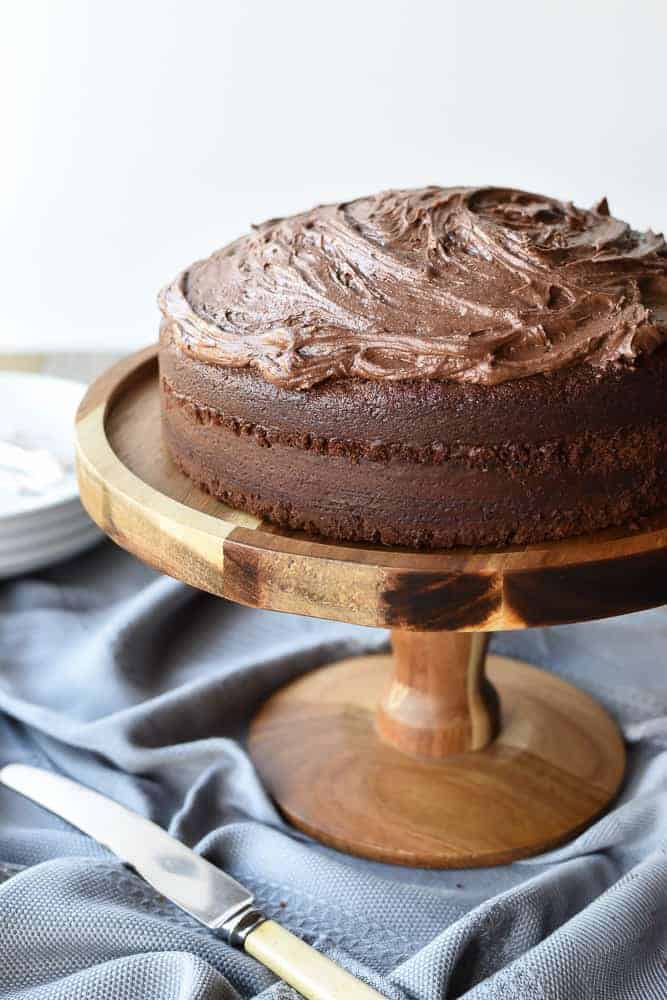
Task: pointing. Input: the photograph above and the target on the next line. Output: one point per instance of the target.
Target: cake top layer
(465, 284)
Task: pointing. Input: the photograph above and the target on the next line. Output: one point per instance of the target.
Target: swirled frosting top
(468, 284)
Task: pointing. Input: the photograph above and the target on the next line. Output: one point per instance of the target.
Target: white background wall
(137, 136)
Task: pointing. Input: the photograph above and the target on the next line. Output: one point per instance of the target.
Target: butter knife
(191, 882)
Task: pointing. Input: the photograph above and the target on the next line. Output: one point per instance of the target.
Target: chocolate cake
(429, 368)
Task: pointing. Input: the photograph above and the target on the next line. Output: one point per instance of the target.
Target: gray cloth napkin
(142, 688)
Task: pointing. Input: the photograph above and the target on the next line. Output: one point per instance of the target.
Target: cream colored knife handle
(314, 975)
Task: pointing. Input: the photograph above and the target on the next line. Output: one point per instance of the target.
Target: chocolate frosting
(476, 285)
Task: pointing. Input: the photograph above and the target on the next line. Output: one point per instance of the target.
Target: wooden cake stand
(435, 755)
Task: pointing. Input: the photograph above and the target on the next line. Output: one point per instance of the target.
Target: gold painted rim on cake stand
(441, 734)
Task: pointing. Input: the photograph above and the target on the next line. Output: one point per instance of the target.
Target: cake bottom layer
(418, 504)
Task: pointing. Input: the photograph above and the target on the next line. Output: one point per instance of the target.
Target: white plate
(45, 556)
(42, 520)
(45, 537)
(56, 513)
(38, 530)
(37, 412)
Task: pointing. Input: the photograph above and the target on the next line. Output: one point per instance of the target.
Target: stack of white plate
(41, 517)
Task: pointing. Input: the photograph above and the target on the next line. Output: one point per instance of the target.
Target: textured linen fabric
(142, 688)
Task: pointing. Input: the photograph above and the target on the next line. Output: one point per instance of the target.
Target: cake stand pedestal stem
(438, 700)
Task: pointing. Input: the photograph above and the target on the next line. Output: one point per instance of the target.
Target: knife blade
(191, 882)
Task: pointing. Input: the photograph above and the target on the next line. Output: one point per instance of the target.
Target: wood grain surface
(555, 765)
(439, 700)
(136, 494)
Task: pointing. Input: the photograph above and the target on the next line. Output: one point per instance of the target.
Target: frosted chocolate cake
(429, 368)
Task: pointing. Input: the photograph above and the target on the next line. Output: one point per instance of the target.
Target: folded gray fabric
(142, 688)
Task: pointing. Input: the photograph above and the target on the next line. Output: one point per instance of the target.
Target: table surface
(82, 365)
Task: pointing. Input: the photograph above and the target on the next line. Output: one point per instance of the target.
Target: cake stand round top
(133, 491)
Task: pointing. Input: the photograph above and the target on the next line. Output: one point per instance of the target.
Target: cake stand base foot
(556, 764)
